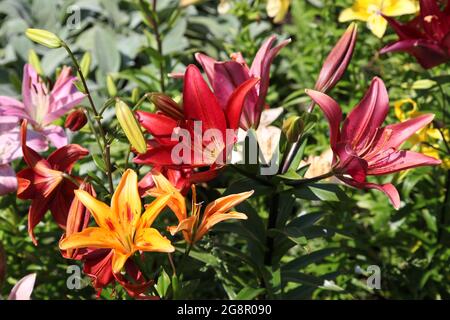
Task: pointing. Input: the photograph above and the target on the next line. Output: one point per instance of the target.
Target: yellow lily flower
(121, 226)
(371, 10)
(277, 9)
(426, 140)
(195, 226)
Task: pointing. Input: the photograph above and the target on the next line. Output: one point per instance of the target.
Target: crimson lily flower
(362, 147)
(426, 37)
(47, 182)
(200, 106)
(226, 76)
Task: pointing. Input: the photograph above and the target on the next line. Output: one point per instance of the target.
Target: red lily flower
(98, 266)
(426, 37)
(226, 76)
(47, 182)
(200, 106)
(362, 147)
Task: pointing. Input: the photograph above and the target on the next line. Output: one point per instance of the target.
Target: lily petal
(56, 135)
(23, 288)
(118, 261)
(388, 189)
(332, 112)
(63, 159)
(363, 121)
(401, 160)
(92, 237)
(126, 203)
(150, 239)
(200, 103)
(395, 134)
(159, 125)
(153, 210)
(215, 219)
(102, 214)
(224, 204)
(236, 102)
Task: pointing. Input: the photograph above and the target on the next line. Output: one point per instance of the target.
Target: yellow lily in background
(195, 225)
(371, 11)
(426, 140)
(277, 9)
(121, 227)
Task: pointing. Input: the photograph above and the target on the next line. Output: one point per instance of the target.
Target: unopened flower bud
(167, 105)
(85, 64)
(130, 126)
(76, 120)
(293, 128)
(44, 37)
(337, 60)
(111, 86)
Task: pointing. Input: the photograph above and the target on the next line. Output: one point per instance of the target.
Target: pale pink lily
(10, 149)
(23, 288)
(362, 147)
(226, 76)
(41, 106)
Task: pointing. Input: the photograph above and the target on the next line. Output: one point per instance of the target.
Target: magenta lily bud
(337, 60)
(76, 120)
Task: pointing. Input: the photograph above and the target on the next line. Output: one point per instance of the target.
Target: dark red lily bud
(77, 221)
(167, 105)
(337, 61)
(76, 120)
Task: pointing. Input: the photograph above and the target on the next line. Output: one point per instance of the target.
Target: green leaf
(307, 259)
(99, 162)
(323, 191)
(249, 293)
(163, 283)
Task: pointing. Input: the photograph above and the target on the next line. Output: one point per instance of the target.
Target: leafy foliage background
(327, 235)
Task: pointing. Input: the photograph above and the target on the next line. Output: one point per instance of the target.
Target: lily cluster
(110, 239)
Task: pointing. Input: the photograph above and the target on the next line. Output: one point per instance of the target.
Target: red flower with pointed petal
(426, 37)
(47, 182)
(226, 76)
(200, 106)
(362, 147)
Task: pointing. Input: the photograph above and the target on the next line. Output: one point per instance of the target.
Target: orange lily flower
(121, 226)
(195, 226)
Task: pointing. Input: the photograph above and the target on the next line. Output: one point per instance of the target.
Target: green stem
(311, 180)
(106, 146)
(272, 223)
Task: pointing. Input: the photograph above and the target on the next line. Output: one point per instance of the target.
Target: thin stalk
(106, 146)
(172, 265)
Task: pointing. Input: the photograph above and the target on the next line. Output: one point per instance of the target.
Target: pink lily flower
(23, 288)
(226, 76)
(362, 147)
(10, 149)
(41, 106)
